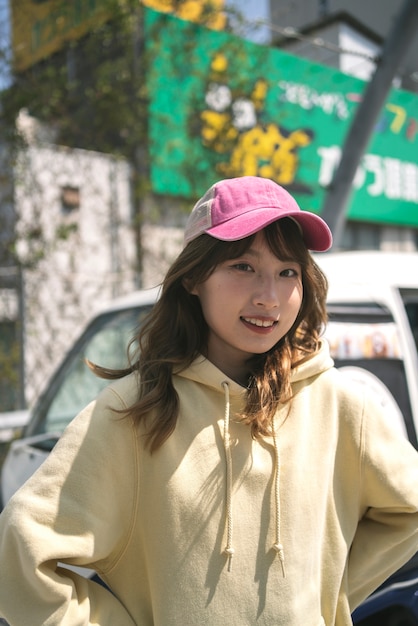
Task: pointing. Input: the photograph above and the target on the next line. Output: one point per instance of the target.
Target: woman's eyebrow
(251, 252)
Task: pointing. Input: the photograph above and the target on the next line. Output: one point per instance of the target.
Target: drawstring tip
(229, 553)
(280, 553)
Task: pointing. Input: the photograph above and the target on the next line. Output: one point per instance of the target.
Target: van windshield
(104, 343)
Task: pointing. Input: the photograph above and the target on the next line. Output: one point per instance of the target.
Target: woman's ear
(187, 284)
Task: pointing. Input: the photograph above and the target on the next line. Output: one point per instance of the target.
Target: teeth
(257, 322)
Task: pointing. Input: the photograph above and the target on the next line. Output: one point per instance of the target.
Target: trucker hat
(236, 208)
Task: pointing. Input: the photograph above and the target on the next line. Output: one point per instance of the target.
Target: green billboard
(220, 106)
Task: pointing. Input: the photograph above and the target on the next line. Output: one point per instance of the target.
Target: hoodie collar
(206, 373)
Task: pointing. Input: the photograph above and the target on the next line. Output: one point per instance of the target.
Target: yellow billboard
(42, 27)
(207, 12)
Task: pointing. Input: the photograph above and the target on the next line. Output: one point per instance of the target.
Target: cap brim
(316, 233)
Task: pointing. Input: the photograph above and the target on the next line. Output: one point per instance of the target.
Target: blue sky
(253, 10)
(4, 40)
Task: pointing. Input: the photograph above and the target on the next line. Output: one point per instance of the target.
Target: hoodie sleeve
(77, 509)
(387, 533)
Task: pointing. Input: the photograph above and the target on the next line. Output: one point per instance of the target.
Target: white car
(11, 422)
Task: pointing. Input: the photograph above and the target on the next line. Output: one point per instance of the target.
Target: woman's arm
(387, 534)
(77, 509)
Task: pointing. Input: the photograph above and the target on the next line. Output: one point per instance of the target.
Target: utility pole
(396, 45)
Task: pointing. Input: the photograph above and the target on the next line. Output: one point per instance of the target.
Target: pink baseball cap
(236, 208)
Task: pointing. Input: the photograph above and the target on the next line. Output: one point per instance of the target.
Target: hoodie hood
(203, 372)
(320, 362)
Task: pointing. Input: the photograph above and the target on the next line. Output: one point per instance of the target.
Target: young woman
(229, 476)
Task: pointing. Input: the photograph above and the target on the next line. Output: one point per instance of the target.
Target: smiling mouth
(260, 323)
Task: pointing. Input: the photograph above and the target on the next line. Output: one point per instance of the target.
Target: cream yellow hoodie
(337, 489)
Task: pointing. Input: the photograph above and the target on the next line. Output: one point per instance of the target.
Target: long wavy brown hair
(175, 333)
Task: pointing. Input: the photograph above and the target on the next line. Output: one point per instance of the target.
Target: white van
(372, 330)
(373, 334)
(373, 326)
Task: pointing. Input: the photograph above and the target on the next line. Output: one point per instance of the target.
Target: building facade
(76, 250)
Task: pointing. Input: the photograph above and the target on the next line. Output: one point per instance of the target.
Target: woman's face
(249, 303)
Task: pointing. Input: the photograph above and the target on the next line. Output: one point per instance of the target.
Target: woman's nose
(266, 293)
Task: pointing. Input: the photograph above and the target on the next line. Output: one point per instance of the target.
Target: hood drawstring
(277, 546)
(229, 550)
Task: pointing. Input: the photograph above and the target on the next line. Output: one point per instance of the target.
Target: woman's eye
(242, 267)
(289, 272)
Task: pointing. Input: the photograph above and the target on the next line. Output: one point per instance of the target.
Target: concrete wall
(77, 257)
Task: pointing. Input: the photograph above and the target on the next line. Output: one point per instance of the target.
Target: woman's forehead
(276, 243)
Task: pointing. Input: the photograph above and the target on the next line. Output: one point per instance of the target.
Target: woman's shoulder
(360, 404)
(123, 391)
(106, 414)
(345, 389)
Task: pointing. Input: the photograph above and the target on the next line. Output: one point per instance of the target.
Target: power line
(318, 42)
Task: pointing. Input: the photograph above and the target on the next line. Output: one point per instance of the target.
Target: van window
(410, 300)
(105, 343)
